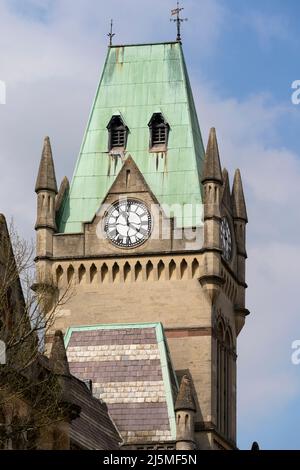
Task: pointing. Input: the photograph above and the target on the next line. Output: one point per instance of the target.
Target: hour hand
(134, 226)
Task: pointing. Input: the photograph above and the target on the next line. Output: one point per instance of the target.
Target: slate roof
(93, 429)
(131, 371)
(138, 81)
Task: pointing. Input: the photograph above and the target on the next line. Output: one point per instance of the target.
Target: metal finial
(111, 34)
(178, 20)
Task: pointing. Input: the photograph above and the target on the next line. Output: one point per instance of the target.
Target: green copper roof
(137, 81)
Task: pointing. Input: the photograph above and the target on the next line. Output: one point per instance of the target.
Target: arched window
(228, 378)
(159, 132)
(225, 380)
(220, 361)
(117, 134)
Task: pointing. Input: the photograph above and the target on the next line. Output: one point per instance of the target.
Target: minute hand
(134, 226)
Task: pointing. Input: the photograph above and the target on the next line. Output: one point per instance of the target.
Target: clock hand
(124, 214)
(119, 223)
(134, 225)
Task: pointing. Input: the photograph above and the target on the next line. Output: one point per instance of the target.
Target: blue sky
(242, 58)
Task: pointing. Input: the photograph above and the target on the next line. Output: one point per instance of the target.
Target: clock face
(128, 223)
(226, 239)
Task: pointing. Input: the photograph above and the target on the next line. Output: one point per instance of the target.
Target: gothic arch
(195, 268)
(93, 273)
(172, 270)
(59, 274)
(160, 270)
(116, 272)
(81, 274)
(225, 377)
(70, 274)
(149, 271)
(104, 273)
(127, 272)
(138, 271)
(183, 269)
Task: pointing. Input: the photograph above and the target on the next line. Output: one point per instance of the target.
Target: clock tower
(151, 238)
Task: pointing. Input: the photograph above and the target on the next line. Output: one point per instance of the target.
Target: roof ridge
(144, 44)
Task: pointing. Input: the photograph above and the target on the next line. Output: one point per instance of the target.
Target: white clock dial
(128, 223)
(226, 239)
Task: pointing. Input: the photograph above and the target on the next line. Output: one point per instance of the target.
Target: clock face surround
(226, 239)
(128, 223)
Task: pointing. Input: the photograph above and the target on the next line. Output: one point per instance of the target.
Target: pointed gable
(129, 180)
(137, 81)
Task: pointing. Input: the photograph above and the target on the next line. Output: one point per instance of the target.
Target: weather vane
(111, 34)
(177, 20)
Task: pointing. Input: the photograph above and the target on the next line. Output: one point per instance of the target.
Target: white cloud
(51, 69)
(269, 27)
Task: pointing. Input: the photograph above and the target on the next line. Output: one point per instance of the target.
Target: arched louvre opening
(159, 132)
(117, 134)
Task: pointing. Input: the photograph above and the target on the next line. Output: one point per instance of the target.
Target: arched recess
(161, 270)
(70, 274)
(195, 269)
(225, 379)
(81, 274)
(229, 377)
(219, 368)
(104, 273)
(138, 271)
(172, 270)
(93, 274)
(116, 273)
(127, 272)
(59, 274)
(183, 269)
(149, 271)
